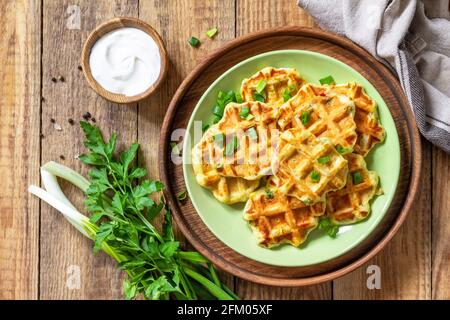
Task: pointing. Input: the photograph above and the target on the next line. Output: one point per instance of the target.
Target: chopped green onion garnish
(259, 97)
(286, 95)
(244, 112)
(261, 85)
(305, 117)
(307, 201)
(250, 117)
(269, 194)
(341, 149)
(292, 87)
(323, 160)
(327, 80)
(174, 147)
(231, 146)
(211, 32)
(219, 166)
(216, 119)
(205, 127)
(315, 176)
(238, 97)
(182, 195)
(357, 177)
(324, 223)
(194, 42)
(218, 138)
(252, 133)
(332, 232)
(218, 111)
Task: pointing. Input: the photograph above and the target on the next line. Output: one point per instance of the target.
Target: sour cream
(125, 61)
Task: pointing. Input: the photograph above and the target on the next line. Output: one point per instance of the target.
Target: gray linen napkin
(413, 38)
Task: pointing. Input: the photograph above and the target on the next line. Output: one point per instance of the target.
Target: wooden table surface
(40, 252)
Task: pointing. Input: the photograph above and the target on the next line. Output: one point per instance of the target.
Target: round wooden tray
(210, 69)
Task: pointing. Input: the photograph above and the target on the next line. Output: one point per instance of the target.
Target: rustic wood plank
(61, 245)
(251, 16)
(405, 263)
(440, 225)
(176, 21)
(19, 148)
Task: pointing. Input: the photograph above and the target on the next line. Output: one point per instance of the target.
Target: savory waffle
(352, 203)
(276, 218)
(240, 145)
(323, 112)
(368, 127)
(308, 167)
(228, 190)
(277, 85)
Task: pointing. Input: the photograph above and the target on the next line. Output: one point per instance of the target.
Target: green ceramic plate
(226, 221)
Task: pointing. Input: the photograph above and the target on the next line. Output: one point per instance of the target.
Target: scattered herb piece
(71, 122)
(292, 87)
(80, 68)
(307, 201)
(219, 138)
(261, 85)
(286, 95)
(341, 150)
(259, 97)
(305, 116)
(182, 195)
(219, 166)
(250, 117)
(231, 146)
(244, 112)
(52, 120)
(323, 160)
(205, 127)
(194, 42)
(357, 177)
(328, 227)
(327, 80)
(218, 111)
(93, 120)
(315, 176)
(252, 133)
(54, 79)
(61, 78)
(216, 119)
(238, 97)
(212, 32)
(87, 116)
(62, 157)
(269, 194)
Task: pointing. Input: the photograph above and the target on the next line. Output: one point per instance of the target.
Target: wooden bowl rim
(108, 26)
(415, 159)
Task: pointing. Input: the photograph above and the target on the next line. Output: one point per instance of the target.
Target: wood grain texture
(61, 245)
(19, 148)
(273, 14)
(405, 263)
(440, 176)
(175, 23)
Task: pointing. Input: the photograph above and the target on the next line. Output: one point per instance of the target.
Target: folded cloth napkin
(413, 38)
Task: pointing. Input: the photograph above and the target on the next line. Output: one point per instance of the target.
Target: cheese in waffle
(368, 127)
(241, 146)
(228, 190)
(271, 85)
(323, 112)
(352, 203)
(308, 167)
(276, 218)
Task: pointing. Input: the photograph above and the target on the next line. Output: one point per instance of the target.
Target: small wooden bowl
(109, 26)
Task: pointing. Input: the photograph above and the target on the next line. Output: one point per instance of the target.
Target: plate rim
(414, 161)
(186, 143)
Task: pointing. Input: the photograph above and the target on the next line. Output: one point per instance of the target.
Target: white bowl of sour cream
(124, 60)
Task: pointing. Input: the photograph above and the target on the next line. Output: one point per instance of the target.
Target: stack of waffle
(295, 155)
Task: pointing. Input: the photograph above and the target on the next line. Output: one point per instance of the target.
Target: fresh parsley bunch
(118, 198)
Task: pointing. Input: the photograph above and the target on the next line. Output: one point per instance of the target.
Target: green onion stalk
(121, 225)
